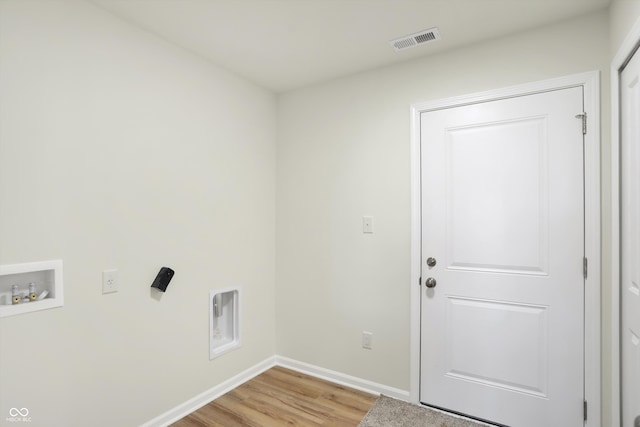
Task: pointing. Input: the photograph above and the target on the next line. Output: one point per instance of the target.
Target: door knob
(431, 262)
(430, 282)
(636, 423)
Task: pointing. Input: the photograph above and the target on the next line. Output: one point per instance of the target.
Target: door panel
(503, 215)
(475, 215)
(630, 242)
(524, 369)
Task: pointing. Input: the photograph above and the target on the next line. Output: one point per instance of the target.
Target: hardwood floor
(282, 397)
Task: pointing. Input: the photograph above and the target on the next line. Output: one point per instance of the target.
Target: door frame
(624, 54)
(589, 81)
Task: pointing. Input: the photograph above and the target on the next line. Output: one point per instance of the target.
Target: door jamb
(589, 81)
(626, 50)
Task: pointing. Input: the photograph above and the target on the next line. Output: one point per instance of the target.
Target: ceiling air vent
(412, 40)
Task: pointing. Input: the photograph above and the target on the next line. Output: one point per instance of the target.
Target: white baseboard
(195, 403)
(342, 379)
(213, 393)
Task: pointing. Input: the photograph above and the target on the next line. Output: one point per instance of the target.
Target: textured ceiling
(286, 44)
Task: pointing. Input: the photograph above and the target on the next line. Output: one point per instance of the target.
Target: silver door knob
(431, 262)
(430, 282)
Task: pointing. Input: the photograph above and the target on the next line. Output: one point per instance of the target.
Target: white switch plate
(367, 224)
(367, 338)
(109, 281)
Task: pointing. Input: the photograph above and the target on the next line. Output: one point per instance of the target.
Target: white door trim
(590, 83)
(626, 50)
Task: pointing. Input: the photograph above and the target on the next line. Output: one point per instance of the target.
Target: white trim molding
(197, 402)
(626, 50)
(342, 379)
(213, 393)
(590, 82)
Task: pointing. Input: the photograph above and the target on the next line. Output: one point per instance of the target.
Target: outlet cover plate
(109, 281)
(367, 224)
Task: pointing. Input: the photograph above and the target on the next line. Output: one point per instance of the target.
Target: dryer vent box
(224, 321)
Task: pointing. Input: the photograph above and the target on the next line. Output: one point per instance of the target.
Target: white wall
(623, 14)
(343, 152)
(118, 150)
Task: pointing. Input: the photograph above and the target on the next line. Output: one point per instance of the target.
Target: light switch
(367, 224)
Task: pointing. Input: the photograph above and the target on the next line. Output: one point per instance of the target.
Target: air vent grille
(416, 39)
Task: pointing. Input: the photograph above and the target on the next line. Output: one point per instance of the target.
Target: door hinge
(585, 410)
(585, 267)
(420, 281)
(583, 116)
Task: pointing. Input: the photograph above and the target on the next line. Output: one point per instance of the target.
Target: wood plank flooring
(282, 397)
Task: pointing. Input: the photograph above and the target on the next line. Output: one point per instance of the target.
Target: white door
(630, 243)
(503, 219)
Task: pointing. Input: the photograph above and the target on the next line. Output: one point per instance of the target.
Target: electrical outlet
(109, 281)
(367, 224)
(367, 338)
